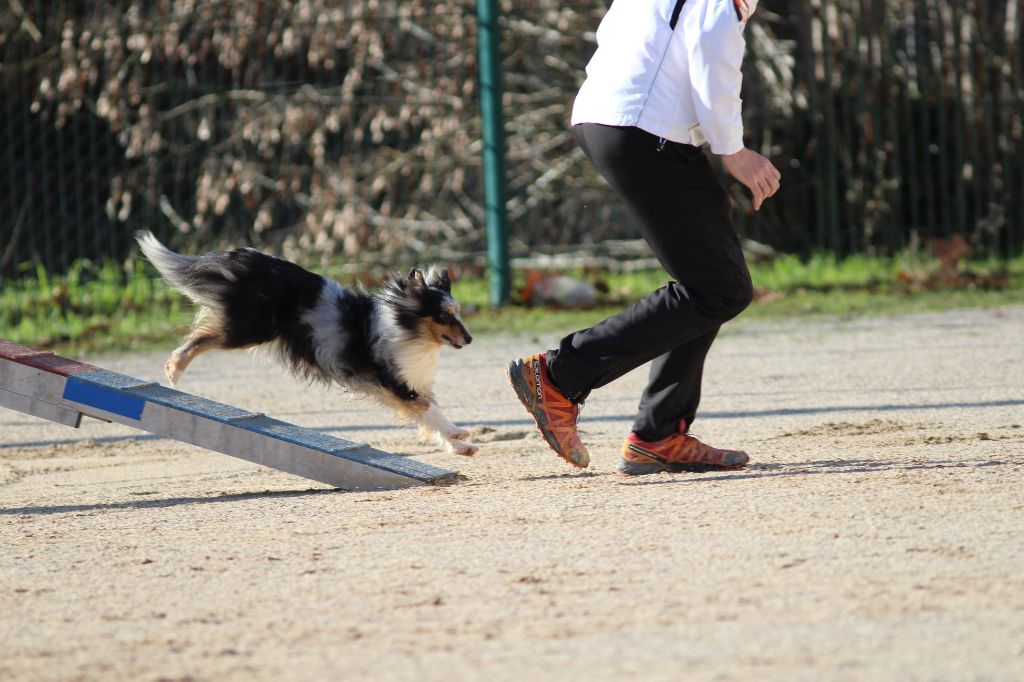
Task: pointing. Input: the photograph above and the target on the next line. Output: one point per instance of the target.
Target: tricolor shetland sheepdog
(383, 344)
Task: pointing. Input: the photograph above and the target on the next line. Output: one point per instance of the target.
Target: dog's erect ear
(439, 279)
(416, 282)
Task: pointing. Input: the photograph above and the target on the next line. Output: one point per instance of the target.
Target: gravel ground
(877, 534)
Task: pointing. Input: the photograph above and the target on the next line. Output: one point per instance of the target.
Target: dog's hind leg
(207, 336)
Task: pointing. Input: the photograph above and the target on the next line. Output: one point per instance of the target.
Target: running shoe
(554, 413)
(681, 451)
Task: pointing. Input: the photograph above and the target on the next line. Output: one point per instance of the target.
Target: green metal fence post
(493, 125)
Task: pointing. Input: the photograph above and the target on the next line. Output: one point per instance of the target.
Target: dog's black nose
(469, 339)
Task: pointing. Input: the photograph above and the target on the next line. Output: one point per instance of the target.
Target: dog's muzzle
(457, 344)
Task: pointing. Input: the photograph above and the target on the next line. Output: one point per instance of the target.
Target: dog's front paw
(459, 433)
(461, 447)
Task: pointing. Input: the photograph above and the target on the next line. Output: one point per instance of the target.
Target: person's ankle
(574, 399)
(651, 436)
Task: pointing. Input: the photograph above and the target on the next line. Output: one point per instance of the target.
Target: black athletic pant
(683, 212)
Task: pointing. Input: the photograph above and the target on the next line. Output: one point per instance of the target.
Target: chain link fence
(349, 130)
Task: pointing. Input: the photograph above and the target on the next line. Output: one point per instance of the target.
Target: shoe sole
(527, 398)
(627, 468)
(631, 469)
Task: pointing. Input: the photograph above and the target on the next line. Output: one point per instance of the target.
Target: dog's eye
(446, 318)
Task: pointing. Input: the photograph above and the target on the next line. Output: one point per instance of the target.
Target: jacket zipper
(673, 20)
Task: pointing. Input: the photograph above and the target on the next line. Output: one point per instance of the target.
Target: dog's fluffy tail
(185, 274)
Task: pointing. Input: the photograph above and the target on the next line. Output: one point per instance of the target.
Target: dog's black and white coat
(384, 344)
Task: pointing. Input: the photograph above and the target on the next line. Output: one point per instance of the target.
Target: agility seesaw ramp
(52, 387)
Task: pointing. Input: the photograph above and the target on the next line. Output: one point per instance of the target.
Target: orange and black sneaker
(679, 452)
(554, 413)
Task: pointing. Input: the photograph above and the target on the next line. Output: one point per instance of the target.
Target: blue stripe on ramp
(109, 400)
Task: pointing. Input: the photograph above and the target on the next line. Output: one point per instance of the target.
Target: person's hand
(754, 171)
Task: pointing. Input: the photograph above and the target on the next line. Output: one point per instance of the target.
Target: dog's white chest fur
(414, 359)
(416, 363)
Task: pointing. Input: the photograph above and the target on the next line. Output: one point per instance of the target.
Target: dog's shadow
(567, 475)
(489, 434)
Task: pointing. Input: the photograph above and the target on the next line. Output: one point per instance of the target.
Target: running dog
(383, 344)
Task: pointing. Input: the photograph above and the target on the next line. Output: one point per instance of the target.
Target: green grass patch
(108, 307)
(92, 308)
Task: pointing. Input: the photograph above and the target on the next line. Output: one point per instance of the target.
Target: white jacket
(682, 84)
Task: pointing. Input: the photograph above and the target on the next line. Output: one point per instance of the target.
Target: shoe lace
(564, 418)
(702, 450)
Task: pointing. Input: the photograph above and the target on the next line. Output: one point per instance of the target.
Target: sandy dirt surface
(877, 534)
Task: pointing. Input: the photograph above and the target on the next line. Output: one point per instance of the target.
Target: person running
(665, 80)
